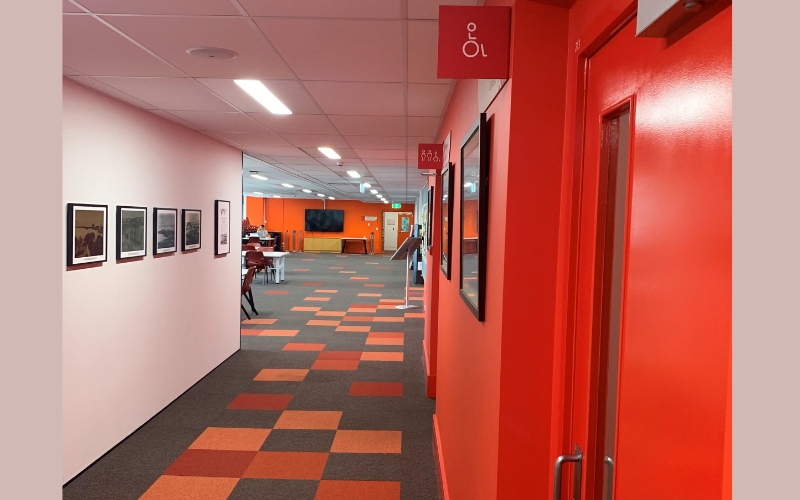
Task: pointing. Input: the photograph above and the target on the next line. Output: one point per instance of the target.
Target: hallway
(325, 400)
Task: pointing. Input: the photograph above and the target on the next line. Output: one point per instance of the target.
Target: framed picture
(222, 227)
(165, 225)
(190, 222)
(474, 215)
(86, 233)
(131, 232)
(446, 216)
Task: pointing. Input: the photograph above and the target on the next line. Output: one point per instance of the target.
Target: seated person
(262, 233)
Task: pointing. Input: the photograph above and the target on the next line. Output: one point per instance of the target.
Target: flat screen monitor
(325, 221)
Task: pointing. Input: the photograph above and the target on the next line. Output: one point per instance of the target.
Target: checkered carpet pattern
(325, 401)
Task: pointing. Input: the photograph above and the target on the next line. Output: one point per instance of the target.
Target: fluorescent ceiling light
(467, 184)
(385, 201)
(353, 174)
(320, 194)
(373, 191)
(329, 153)
(367, 185)
(256, 176)
(306, 190)
(287, 185)
(276, 196)
(260, 93)
(256, 192)
(331, 198)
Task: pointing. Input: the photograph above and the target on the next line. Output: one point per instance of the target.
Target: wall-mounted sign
(368, 217)
(487, 91)
(395, 205)
(429, 156)
(474, 42)
(446, 150)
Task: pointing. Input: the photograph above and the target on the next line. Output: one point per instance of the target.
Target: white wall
(137, 334)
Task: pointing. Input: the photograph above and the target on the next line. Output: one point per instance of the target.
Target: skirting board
(441, 478)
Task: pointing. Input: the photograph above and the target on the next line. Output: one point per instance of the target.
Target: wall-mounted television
(324, 221)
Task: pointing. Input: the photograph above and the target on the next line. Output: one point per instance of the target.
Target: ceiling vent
(211, 53)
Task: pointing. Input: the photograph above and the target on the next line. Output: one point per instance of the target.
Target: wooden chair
(247, 291)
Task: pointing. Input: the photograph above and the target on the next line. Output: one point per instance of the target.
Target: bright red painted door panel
(676, 285)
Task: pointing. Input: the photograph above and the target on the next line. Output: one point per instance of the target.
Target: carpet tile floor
(324, 401)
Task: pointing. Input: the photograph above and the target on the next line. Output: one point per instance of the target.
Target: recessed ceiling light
(287, 185)
(320, 194)
(276, 196)
(256, 176)
(256, 192)
(367, 185)
(385, 201)
(330, 153)
(331, 198)
(373, 191)
(306, 190)
(353, 174)
(260, 93)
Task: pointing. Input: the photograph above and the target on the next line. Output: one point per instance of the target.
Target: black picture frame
(77, 214)
(135, 253)
(222, 219)
(166, 249)
(187, 240)
(480, 132)
(446, 218)
(429, 222)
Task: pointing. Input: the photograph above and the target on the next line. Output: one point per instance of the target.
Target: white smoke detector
(211, 53)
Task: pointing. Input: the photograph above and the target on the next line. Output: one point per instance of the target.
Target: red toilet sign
(430, 156)
(474, 42)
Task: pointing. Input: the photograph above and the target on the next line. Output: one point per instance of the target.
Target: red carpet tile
(335, 364)
(211, 463)
(281, 375)
(220, 438)
(386, 335)
(195, 488)
(359, 278)
(330, 313)
(315, 420)
(381, 356)
(322, 322)
(376, 389)
(367, 442)
(260, 321)
(260, 402)
(347, 272)
(279, 333)
(364, 306)
(358, 490)
(287, 465)
(251, 331)
(374, 285)
(318, 299)
(391, 301)
(296, 308)
(340, 355)
(271, 292)
(309, 259)
(353, 328)
(370, 294)
(313, 284)
(292, 346)
(414, 315)
(362, 311)
(326, 291)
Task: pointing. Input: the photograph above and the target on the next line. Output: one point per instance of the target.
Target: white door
(390, 231)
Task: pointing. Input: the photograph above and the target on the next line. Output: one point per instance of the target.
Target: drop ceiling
(358, 75)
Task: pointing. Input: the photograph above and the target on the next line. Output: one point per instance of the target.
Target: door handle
(577, 458)
(610, 482)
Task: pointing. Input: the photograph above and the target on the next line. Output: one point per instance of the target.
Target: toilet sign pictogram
(473, 42)
(429, 156)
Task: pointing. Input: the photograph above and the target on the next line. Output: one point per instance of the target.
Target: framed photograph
(190, 222)
(86, 233)
(429, 220)
(222, 227)
(131, 232)
(474, 215)
(446, 216)
(165, 225)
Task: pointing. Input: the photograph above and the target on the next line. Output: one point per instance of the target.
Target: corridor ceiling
(358, 75)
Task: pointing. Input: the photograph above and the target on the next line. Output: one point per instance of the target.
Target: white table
(279, 260)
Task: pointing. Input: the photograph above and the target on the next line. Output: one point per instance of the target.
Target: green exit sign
(395, 205)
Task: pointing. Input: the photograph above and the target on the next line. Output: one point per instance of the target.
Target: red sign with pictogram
(474, 42)
(429, 156)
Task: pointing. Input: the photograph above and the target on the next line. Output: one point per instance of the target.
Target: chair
(254, 239)
(256, 260)
(250, 247)
(270, 262)
(247, 291)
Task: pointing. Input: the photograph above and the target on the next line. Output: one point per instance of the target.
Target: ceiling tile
(94, 49)
(375, 142)
(295, 124)
(177, 7)
(377, 166)
(370, 9)
(170, 37)
(173, 118)
(423, 39)
(278, 151)
(229, 122)
(316, 141)
(422, 125)
(427, 99)
(70, 7)
(338, 50)
(299, 161)
(171, 94)
(290, 93)
(381, 154)
(429, 9)
(369, 125)
(101, 87)
(254, 139)
(358, 98)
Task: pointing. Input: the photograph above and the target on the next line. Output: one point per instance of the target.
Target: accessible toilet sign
(474, 42)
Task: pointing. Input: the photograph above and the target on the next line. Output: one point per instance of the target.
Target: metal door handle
(577, 457)
(610, 482)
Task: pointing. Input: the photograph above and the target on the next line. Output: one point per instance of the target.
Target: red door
(652, 314)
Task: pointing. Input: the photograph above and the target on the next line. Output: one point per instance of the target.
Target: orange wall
(255, 210)
(283, 214)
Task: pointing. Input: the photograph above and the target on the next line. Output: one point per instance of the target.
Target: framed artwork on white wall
(131, 232)
(222, 227)
(87, 227)
(165, 225)
(190, 223)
